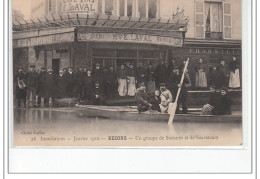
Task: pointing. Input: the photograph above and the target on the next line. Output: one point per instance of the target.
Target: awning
(177, 22)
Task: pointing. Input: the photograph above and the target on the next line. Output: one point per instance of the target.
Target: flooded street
(68, 127)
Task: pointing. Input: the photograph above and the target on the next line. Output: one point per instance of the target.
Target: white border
(139, 160)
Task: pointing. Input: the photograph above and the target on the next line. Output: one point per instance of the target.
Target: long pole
(172, 114)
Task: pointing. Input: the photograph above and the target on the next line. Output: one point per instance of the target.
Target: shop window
(129, 8)
(149, 54)
(142, 8)
(103, 53)
(213, 14)
(109, 7)
(122, 7)
(126, 53)
(152, 8)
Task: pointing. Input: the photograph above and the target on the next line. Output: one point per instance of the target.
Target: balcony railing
(213, 35)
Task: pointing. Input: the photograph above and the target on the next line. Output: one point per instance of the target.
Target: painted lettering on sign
(131, 38)
(214, 51)
(89, 6)
(44, 40)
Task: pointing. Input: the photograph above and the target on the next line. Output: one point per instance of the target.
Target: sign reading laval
(89, 6)
(131, 38)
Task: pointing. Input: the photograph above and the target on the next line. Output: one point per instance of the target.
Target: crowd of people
(95, 86)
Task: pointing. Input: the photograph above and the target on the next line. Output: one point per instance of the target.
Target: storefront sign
(202, 51)
(131, 38)
(89, 6)
(44, 40)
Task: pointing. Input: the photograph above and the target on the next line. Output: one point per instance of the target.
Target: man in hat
(51, 88)
(174, 85)
(79, 83)
(166, 98)
(32, 78)
(20, 87)
(142, 99)
(98, 74)
(71, 83)
(40, 87)
(97, 95)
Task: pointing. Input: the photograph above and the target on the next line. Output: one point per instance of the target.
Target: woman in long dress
(122, 83)
(234, 80)
(131, 81)
(201, 79)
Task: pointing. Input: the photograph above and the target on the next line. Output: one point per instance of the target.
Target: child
(156, 100)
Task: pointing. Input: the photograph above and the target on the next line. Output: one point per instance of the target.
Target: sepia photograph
(126, 73)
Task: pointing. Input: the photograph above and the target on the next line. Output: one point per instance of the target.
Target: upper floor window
(142, 8)
(152, 8)
(212, 20)
(109, 7)
(122, 8)
(129, 8)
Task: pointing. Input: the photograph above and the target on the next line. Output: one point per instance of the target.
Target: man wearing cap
(142, 99)
(174, 85)
(98, 75)
(97, 95)
(20, 88)
(166, 98)
(40, 86)
(223, 103)
(32, 78)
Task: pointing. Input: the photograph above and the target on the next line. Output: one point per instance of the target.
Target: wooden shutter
(227, 21)
(199, 19)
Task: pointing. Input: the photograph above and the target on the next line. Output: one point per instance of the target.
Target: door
(55, 66)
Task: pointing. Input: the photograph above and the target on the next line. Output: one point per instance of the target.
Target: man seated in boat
(142, 99)
(166, 98)
(208, 108)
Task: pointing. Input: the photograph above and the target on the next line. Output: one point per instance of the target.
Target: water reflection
(70, 122)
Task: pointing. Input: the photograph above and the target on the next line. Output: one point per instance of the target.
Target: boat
(131, 113)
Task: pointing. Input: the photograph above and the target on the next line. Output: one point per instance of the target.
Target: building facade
(63, 33)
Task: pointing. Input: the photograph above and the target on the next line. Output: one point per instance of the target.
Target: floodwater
(69, 127)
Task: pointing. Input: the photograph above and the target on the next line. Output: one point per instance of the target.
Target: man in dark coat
(215, 78)
(111, 83)
(174, 85)
(224, 72)
(150, 79)
(142, 99)
(71, 83)
(40, 87)
(97, 95)
(61, 84)
(160, 73)
(171, 66)
(20, 80)
(140, 74)
(79, 81)
(98, 74)
(32, 78)
(88, 85)
(50, 88)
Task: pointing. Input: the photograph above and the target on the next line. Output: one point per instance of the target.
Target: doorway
(55, 66)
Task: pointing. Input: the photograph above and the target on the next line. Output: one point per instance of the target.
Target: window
(51, 6)
(99, 6)
(227, 21)
(129, 7)
(152, 8)
(199, 21)
(122, 7)
(109, 7)
(214, 21)
(142, 8)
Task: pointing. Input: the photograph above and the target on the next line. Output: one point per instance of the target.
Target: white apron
(234, 81)
(131, 86)
(201, 80)
(122, 87)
